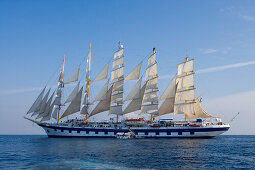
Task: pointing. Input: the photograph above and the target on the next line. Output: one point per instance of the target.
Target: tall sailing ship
(51, 112)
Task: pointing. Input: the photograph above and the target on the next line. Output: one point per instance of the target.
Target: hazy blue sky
(219, 35)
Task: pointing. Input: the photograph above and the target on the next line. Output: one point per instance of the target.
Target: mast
(61, 87)
(151, 95)
(117, 78)
(88, 82)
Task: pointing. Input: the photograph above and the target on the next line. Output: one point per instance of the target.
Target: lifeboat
(154, 125)
(194, 125)
(135, 120)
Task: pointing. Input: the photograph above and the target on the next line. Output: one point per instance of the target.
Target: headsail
(42, 104)
(47, 107)
(36, 105)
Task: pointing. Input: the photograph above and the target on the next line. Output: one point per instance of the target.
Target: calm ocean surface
(40, 152)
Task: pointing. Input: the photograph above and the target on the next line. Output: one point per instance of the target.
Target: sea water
(41, 152)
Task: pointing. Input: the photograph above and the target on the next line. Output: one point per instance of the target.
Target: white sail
(74, 77)
(48, 116)
(118, 62)
(118, 85)
(135, 92)
(151, 71)
(136, 103)
(36, 105)
(150, 97)
(184, 108)
(85, 103)
(42, 104)
(185, 81)
(47, 107)
(185, 95)
(170, 90)
(103, 74)
(103, 105)
(74, 106)
(185, 67)
(117, 73)
(117, 98)
(117, 110)
(152, 83)
(73, 93)
(102, 94)
(149, 109)
(118, 53)
(152, 59)
(134, 75)
(166, 107)
(199, 111)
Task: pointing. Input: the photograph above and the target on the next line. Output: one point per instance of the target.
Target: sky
(219, 35)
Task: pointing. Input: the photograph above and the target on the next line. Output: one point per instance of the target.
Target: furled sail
(103, 105)
(150, 97)
(73, 93)
(74, 77)
(36, 105)
(117, 78)
(42, 104)
(134, 75)
(103, 74)
(47, 107)
(135, 92)
(185, 67)
(136, 103)
(74, 106)
(102, 94)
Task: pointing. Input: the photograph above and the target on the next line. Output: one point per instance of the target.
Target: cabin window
(146, 133)
(96, 132)
(87, 132)
(192, 133)
(179, 133)
(168, 133)
(62, 130)
(157, 133)
(105, 133)
(78, 131)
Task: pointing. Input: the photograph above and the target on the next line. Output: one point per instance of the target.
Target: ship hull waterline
(54, 131)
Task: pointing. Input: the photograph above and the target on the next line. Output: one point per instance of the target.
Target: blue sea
(41, 152)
